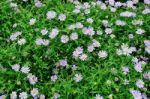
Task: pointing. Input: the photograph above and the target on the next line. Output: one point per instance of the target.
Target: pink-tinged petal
(147, 49)
(147, 42)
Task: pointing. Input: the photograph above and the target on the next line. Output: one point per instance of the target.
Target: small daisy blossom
(78, 77)
(23, 95)
(140, 83)
(54, 78)
(95, 43)
(74, 36)
(14, 36)
(131, 36)
(40, 41)
(146, 75)
(136, 94)
(56, 96)
(25, 69)
(127, 14)
(113, 9)
(51, 15)
(91, 48)
(32, 21)
(137, 22)
(146, 11)
(105, 23)
(44, 31)
(42, 96)
(147, 49)
(108, 30)
(138, 66)
(64, 38)
(34, 92)
(83, 57)
(77, 52)
(16, 67)
(102, 54)
(62, 17)
(140, 31)
(147, 1)
(53, 33)
(38, 3)
(21, 41)
(13, 95)
(88, 31)
(98, 96)
(79, 25)
(32, 79)
(147, 42)
(120, 23)
(125, 70)
(90, 20)
(2, 96)
(125, 50)
(63, 62)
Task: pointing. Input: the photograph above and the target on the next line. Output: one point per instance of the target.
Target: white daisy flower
(34, 92)
(113, 9)
(51, 15)
(74, 36)
(14, 36)
(78, 77)
(13, 95)
(136, 94)
(38, 4)
(32, 21)
(91, 48)
(98, 96)
(140, 83)
(147, 1)
(54, 78)
(125, 70)
(32, 79)
(53, 33)
(78, 51)
(25, 69)
(90, 20)
(63, 62)
(56, 95)
(79, 25)
(16, 67)
(62, 17)
(44, 31)
(23, 95)
(120, 23)
(21, 41)
(42, 96)
(83, 57)
(127, 14)
(102, 54)
(3, 97)
(140, 31)
(108, 30)
(138, 67)
(146, 75)
(64, 38)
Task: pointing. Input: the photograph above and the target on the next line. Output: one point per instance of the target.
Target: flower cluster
(75, 50)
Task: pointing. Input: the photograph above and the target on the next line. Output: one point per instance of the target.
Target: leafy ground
(99, 73)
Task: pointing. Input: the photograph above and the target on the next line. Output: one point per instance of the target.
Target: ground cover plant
(52, 49)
